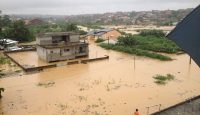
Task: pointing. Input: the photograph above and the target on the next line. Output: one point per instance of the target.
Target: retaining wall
(39, 68)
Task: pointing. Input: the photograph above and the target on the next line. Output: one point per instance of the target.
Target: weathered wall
(85, 49)
(44, 41)
(74, 38)
(60, 54)
(42, 53)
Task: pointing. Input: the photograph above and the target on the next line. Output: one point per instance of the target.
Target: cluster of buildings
(154, 17)
(57, 46)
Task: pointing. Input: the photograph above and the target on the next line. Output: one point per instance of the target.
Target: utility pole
(108, 40)
(1, 90)
(134, 62)
(190, 60)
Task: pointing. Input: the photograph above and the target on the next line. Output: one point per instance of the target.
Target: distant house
(103, 34)
(34, 22)
(58, 46)
(9, 45)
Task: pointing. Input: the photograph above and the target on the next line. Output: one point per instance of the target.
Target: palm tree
(1, 90)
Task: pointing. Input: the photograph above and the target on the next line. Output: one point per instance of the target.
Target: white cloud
(89, 6)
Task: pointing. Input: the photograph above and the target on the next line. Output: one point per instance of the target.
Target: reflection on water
(116, 86)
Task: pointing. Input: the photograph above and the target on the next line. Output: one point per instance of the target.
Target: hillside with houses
(154, 17)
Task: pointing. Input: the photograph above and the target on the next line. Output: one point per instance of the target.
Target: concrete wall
(57, 54)
(74, 38)
(48, 40)
(85, 50)
(42, 53)
(64, 53)
(44, 41)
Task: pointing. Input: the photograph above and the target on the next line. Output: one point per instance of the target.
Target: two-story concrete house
(58, 46)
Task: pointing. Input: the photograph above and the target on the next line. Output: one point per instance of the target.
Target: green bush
(162, 79)
(128, 41)
(159, 82)
(99, 40)
(151, 43)
(4, 60)
(157, 33)
(170, 77)
(147, 44)
(133, 50)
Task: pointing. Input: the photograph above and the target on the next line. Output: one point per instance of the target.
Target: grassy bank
(147, 44)
(134, 50)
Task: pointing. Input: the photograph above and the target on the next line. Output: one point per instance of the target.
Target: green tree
(18, 31)
(69, 27)
(5, 20)
(0, 26)
(157, 33)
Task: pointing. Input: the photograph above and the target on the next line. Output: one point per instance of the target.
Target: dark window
(81, 50)
(66, 50)
(51, 51)
(65, 38)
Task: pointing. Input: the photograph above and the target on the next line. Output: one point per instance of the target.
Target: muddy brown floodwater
(110, 87)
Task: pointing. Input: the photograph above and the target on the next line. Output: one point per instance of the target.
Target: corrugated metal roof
(8, 41)
(99, 32)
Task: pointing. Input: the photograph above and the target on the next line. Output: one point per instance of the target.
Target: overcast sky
(69, 7)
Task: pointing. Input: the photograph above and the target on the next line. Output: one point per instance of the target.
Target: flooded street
(110, 87)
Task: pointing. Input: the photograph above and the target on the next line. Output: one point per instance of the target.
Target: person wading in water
(136, 112)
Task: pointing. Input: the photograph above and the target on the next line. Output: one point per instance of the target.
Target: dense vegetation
(4, 60)
(99, 40)
(18, 30)
(147, 43)
(157, 33)
(58, 27)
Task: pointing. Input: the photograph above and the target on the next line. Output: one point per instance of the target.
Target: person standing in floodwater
(136, 112)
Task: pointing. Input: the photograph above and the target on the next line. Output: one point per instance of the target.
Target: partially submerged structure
(57, 46)
(104, 34)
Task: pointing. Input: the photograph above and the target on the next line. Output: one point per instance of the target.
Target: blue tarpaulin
(187, 35)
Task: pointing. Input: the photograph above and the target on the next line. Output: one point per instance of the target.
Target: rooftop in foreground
(188, 107)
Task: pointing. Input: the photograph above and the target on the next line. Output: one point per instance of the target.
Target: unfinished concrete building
(57, 46)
